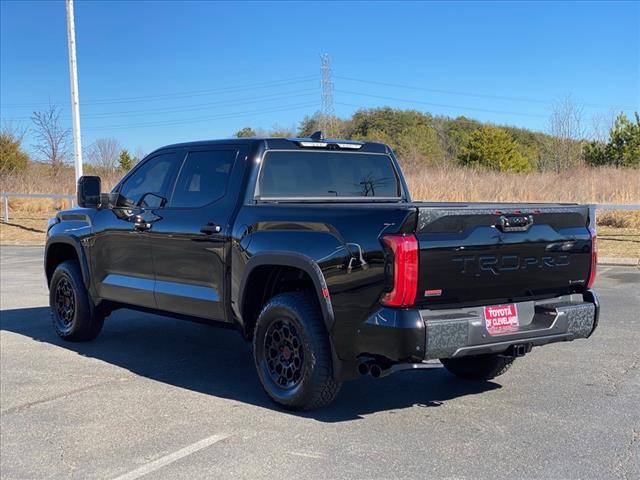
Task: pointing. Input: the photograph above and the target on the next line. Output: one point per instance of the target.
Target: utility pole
(75, 101)
(327, 115)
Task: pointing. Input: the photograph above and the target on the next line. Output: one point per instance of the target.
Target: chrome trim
(186, 290)
(332, 199)
(127, 281)
(163, 287)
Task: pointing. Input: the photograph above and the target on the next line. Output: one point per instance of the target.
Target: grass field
(581, 185)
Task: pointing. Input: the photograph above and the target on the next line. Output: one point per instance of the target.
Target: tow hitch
(518, 350)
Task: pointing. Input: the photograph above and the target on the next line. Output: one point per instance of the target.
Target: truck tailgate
(490, 254)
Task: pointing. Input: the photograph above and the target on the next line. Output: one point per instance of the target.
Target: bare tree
(565, 126)
(104, 152)
(52, 139)
(601, 124)
(139, 154)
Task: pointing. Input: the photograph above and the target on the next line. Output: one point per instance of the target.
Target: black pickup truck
(315, 252)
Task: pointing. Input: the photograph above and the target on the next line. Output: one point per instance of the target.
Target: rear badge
(433, 293)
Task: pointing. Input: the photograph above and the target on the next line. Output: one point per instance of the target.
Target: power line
(176, 95)
(176, 122)
(199, 106)
(443, 105)
(474, 95)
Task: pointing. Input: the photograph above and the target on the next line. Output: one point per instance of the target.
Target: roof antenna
(317, 136)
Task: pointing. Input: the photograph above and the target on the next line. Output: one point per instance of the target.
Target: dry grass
(619, 218)
(582, 185)
(24, 229)
(39, 179)
(618, 242)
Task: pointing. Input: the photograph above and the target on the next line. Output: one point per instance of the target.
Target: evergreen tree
(12, 157)
(493, 148)
(125, 161)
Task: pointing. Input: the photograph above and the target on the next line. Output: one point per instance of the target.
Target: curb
(619, 261)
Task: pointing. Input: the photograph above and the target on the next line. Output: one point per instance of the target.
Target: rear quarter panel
(342, 239)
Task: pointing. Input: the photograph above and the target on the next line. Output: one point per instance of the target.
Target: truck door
(121, 258)
(190, 241)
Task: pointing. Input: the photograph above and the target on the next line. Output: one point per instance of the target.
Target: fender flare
(296, 260)
(82, 258)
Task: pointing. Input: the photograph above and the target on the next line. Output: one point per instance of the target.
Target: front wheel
(292, 353)
(478, 367)
(72, 312)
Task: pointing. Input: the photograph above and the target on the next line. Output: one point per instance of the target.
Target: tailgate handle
(515, 223)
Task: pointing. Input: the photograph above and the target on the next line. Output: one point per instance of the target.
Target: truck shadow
(218, 362)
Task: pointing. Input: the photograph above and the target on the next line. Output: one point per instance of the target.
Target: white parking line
(172, 457)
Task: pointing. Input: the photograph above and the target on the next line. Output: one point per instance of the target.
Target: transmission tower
(327, 114)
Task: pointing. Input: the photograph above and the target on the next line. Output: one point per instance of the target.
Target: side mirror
(89, 191)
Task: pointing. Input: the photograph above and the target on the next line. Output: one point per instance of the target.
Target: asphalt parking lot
(160, 398)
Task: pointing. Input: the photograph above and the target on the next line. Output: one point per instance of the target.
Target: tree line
(419, 139)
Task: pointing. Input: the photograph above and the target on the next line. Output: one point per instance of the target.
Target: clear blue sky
(152, 73)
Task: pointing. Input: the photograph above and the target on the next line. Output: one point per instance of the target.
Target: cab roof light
(315, 144)
(353, 146)
(318, 141)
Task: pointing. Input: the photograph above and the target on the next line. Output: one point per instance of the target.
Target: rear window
(305, 174)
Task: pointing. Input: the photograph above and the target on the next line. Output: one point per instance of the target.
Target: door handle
(210, 228)
(141, 226)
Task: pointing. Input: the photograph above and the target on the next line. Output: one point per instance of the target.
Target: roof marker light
(313, 144)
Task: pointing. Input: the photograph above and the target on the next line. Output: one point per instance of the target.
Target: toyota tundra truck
(315, 252)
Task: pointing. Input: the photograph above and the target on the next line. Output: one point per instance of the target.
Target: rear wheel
(292, 353)
(478, 367)
(72, 312)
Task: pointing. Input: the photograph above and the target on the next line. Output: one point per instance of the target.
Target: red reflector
(405, 270)
(594, 258)
(433, 293)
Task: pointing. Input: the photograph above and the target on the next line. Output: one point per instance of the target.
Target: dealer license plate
(501, 319)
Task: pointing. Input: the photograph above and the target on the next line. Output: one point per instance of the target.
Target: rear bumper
(413, 335)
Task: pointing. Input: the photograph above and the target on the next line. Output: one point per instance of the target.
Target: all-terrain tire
(478, 367)
(292, 353)
(72, 312)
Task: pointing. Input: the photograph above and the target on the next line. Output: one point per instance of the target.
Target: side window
(203, 178)
(150, 181)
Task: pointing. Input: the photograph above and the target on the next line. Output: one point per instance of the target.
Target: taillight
(404, 250)
(594, 257)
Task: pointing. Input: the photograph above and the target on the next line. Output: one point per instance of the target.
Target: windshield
(316, 174)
